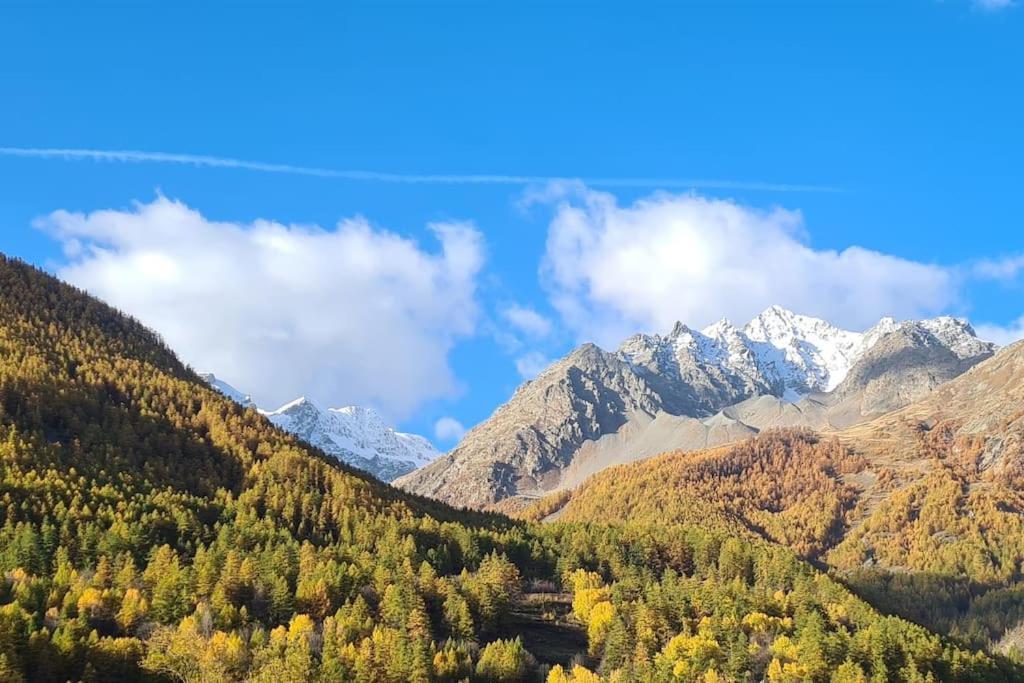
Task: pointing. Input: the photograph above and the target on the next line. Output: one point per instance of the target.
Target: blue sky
(778, 137)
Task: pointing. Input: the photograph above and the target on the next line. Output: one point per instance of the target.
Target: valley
(155, 529)
(512, 342)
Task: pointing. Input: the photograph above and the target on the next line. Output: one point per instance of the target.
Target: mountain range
(355, 435)
(154, 529)
(923, 500)
(693, 389)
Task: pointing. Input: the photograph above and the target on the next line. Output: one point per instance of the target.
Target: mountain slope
(689, 390)
(969, 435)
(152, 529)
(907, 362)
(534, 435)
(356, 436)
(786, 485)
(922, 501)
(157, 524)
(972, 426)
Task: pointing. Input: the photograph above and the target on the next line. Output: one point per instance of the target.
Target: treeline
(151, 529)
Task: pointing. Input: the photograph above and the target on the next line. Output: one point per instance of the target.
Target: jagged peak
(958, 335)
(948, 322)
(776, 318)
(777, 311)
(679, 329)
(783, 315)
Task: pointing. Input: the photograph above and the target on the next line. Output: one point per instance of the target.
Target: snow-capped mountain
(356, 436)
(800, 353)
(794, 370)
(779, 352)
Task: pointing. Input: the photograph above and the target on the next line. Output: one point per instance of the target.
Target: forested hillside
(152, 529)
(920, 512)
(785, 485)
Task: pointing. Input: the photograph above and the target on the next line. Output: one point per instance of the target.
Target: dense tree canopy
(151, 529)
(941, 542)
(785, 485)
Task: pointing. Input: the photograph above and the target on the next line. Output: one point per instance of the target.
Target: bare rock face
(986, 401)
(693, 389)
(694, 372)
(528, 440)
(904, 366)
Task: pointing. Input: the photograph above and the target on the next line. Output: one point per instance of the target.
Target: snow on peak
(803, 353)
(957, 334)
(789, 353)
(368, 419)
(301, 403)
(356, 435)
(779, 326)
(353, 434)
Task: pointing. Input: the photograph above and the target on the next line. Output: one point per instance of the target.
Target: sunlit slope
(153, 529)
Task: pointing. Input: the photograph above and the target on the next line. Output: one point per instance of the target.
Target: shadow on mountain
(976, 614)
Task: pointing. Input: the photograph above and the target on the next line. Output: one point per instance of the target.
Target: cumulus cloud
(1001, 334)
(448, 430)
(353, 314)
(527, 320)
(612, 270)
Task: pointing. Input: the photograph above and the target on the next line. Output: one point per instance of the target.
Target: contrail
(137, 157)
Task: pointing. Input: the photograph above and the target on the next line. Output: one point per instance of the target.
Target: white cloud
(612, 270)
(527, 320)
(531, 364)
(1001, 334)
(1006, 269)
(448, 429)
(350, 315)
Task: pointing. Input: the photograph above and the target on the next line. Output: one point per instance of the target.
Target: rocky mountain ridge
(694, 389)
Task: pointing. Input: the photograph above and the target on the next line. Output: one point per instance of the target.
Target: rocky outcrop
(529, 440)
